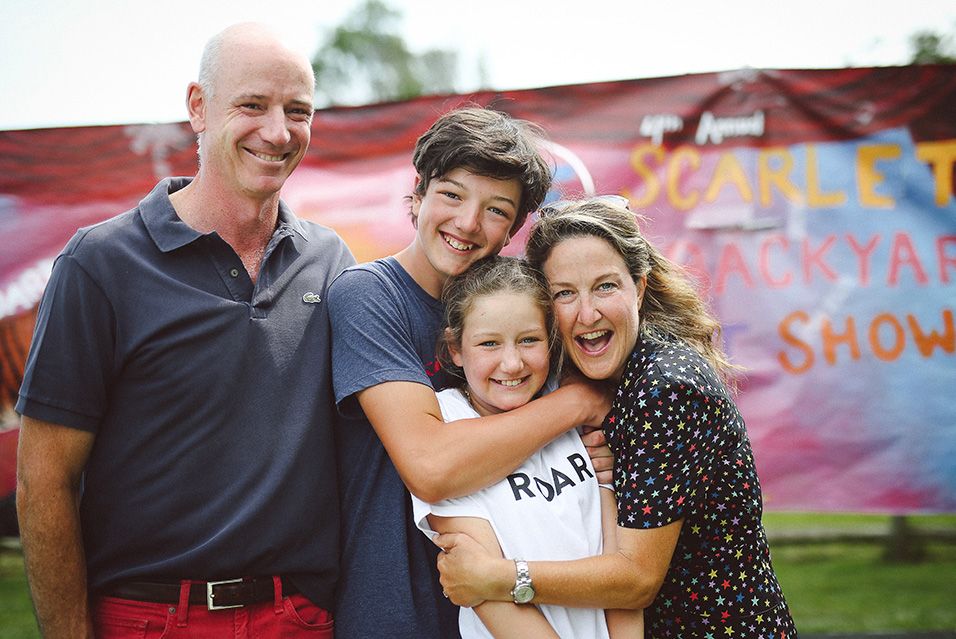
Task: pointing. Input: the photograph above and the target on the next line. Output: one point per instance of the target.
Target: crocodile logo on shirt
(311, 298)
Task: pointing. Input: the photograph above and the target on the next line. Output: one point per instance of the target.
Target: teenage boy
(479, 174)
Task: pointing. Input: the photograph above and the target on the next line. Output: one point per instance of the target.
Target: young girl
(498, 336)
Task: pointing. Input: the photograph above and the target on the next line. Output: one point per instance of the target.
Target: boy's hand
(592, 396)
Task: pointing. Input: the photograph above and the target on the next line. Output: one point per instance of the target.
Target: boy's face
(462, 218)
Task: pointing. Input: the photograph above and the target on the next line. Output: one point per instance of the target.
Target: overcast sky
(73, 62)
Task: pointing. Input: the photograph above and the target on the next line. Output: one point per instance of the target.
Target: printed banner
(815, 209)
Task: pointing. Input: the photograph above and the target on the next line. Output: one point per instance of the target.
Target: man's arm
(438, 461)
(503, 619)
(50, 462)
(629, 578)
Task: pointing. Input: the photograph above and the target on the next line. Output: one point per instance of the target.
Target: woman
(691, 547)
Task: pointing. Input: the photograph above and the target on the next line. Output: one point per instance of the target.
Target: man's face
(256, 123)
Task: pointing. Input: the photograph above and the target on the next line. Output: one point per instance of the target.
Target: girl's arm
(621, 623)
(503, 619)
(628, 578)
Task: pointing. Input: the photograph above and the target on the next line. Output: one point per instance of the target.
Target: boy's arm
(503, 619)
(438, 461)
(376, 361)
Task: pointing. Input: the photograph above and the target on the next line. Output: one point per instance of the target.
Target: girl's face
(503, 351)
(596, 304)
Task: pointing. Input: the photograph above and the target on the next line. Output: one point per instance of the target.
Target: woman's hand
(470, 575)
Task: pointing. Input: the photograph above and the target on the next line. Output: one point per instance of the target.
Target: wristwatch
(524, 590)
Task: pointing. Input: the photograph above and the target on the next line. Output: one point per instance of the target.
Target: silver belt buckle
(210, 604)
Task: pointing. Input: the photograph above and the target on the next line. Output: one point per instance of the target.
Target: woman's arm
(621, 623)
(629, 578)
(504, 620)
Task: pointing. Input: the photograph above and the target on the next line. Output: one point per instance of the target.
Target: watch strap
(523, 591)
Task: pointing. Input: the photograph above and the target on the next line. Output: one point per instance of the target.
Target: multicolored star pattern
(682, 451)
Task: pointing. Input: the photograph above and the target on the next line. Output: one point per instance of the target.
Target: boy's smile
(462, 218)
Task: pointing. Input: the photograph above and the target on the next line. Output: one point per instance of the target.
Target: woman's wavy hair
(671, 307)
(496, 274)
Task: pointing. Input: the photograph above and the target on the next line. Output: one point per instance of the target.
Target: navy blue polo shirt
(210, 397)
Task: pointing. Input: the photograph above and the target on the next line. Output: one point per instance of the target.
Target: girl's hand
(600, 453)
(470, 575)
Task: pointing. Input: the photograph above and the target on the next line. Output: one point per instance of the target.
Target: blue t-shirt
(210, 397)
(385, 328)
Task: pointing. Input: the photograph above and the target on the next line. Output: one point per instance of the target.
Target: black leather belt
(216, 595)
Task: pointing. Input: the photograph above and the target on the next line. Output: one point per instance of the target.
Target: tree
(366, 60)
(932, 48)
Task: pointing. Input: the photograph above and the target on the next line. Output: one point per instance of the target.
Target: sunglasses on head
(560, 205)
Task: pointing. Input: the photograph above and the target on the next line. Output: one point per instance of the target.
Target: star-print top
(682, 451)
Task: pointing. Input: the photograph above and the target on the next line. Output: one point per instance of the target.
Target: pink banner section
(815, 208)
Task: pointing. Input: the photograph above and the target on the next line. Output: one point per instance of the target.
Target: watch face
(524, 594)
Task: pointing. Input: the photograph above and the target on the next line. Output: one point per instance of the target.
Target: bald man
(176, 464)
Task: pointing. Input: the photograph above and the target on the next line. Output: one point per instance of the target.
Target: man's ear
(454, 348)
(196, 107)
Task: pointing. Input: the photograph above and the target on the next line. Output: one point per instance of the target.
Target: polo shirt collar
(164, 226)
(289, 223)
(169, 232)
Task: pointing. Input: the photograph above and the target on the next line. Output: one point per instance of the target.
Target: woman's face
(596, 305)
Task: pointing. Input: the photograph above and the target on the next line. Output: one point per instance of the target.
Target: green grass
(837, 587)
(16, 612)
(832, 587)
(840, 588)
(777, 521)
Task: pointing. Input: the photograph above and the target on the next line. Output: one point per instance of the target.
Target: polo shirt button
(234, 272)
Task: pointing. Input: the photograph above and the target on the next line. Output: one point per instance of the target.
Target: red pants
(287, 617)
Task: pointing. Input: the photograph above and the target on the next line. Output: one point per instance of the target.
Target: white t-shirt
(547, 509)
